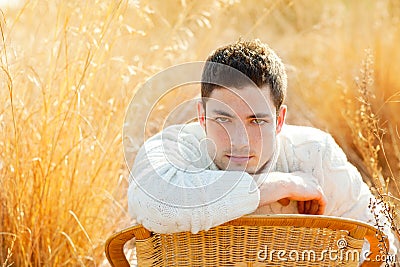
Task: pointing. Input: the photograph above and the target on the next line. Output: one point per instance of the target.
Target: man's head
(243, 88)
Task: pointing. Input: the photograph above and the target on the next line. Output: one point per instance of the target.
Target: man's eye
(221, 119)
(259, 121)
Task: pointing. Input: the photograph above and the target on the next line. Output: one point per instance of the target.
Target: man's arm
(348, 195)
(173, 189)
(299, 186)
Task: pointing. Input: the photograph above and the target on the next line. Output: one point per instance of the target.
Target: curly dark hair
(252, 58)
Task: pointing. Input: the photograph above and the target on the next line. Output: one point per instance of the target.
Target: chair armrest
(115, 244)
(375, 250)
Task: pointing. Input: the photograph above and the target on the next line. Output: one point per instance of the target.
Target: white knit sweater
(176, 187)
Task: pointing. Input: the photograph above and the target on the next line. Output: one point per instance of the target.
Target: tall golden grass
(69, 69)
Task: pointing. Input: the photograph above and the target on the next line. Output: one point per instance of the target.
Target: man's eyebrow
(260, 115)
(222, 113)
(254, 116)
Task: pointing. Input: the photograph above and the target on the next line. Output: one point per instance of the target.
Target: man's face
(241, 127)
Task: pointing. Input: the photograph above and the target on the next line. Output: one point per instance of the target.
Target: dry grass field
(69, 69)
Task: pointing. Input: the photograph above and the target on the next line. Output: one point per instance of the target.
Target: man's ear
(201, 114)
(281, 118)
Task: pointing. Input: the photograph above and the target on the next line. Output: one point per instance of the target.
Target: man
(240, 157)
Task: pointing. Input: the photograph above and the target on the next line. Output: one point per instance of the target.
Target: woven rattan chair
(254, 240)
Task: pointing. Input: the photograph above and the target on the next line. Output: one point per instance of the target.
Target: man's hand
(299, 186)
(311, 207)
(284, 201)
(304, 207)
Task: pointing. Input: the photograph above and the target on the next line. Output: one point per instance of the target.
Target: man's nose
(239, 137)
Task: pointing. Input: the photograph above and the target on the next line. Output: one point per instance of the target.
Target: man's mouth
(239, 158)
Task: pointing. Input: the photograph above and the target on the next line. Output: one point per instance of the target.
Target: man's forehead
(232, 111)
(242, 92)
(247, 110)
(249, 100)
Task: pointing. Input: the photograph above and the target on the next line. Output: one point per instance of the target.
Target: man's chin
(237, 167)
(247, 169)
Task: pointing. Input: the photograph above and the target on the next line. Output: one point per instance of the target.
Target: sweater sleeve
(174, 187)
(345, 188)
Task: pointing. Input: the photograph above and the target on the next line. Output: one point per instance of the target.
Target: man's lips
(239, 158)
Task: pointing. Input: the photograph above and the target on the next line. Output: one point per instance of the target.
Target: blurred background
(70, 68)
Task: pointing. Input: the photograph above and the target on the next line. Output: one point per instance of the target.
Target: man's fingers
(322, 205)
(314, 207)
(300, 206)
(284, 201)
(307, 206)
